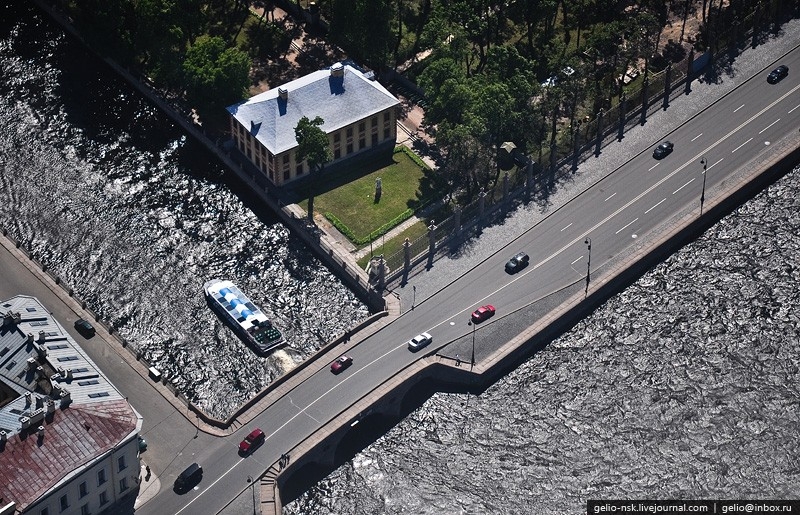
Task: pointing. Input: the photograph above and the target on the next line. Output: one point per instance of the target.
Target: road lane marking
(651, 168)
(576, 260)
(768, 126)
(740, 146)
(679, 189)
(567, 227)
(741, 106)
(792, 109)
(655, 206)
(696, 137)
(211, 485)
(712, 166)
(627, 225)
(609, 197)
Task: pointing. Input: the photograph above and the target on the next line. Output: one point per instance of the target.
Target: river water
(685, 385)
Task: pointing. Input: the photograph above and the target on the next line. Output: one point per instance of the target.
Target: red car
(482, 313)
(341, 363)
(251, 441)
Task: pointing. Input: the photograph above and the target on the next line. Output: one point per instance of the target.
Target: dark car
(188, 478)
(778, 74)
(663, 150)
(251, 441)
(517, 263)
(341, 363)
(482, 313)
(84, 327)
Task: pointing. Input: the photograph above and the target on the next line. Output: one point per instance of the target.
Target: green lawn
(350, 196)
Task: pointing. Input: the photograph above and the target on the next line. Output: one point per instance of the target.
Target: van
(189, 477)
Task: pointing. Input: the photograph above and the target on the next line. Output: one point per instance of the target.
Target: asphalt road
(616, 213)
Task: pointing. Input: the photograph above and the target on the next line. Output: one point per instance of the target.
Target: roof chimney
(283, 93)
(337, 70)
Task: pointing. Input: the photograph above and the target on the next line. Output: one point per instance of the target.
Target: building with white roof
(68, 437)
(359, 115)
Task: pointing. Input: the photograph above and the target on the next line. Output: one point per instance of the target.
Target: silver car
(419, 341)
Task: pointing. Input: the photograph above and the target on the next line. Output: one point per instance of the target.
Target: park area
(346, 197)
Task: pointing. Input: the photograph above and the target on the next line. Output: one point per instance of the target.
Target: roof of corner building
(98, 418)
(338, 101)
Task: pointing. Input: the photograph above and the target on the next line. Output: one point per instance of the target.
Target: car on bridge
(252, 441)
(517, 263)
(419, 341)
(663, 150)
(482, 313)
(341, 363)
(778, 74)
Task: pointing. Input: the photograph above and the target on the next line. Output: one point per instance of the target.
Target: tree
(216, 76)
(314, 148)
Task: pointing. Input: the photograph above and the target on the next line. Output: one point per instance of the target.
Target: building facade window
(349, 148)
(85, 509)
(374, 121)
(349, 132)
(374, 138)
(286, 175)
(64, 502)
(83, 490)
(103, 498)
(387, 133)
(299, 170)
(121, 463)
(123, 484)
(337, 153)
(101, 476)
(45, 511)
(362, 143)
(386, 116)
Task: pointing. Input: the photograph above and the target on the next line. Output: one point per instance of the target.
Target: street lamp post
(703, 192)
(472, 361)
(414, 298)
(588, 243)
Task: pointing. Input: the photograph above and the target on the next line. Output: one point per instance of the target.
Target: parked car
(517, 263)
(482, 313)
(252, 441)
(419, 341)
(341, 363)
(188, 478)
(84, 327)
(778, 74)
(663, 150)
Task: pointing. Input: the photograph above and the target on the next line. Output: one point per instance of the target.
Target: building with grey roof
(359, 115)
(68, 437)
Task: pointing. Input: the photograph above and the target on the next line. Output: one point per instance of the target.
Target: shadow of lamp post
(703, 191)
(588, 243)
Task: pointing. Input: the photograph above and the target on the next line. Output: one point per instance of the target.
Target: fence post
(643, 115)
(599, 141)
(689, 72)
(667, 79)
(431, 243)
(623, 100)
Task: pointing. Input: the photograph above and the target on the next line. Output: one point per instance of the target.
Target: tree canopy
(216, 76)
(312, 143)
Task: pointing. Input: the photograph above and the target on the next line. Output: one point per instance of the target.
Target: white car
(419, 341)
